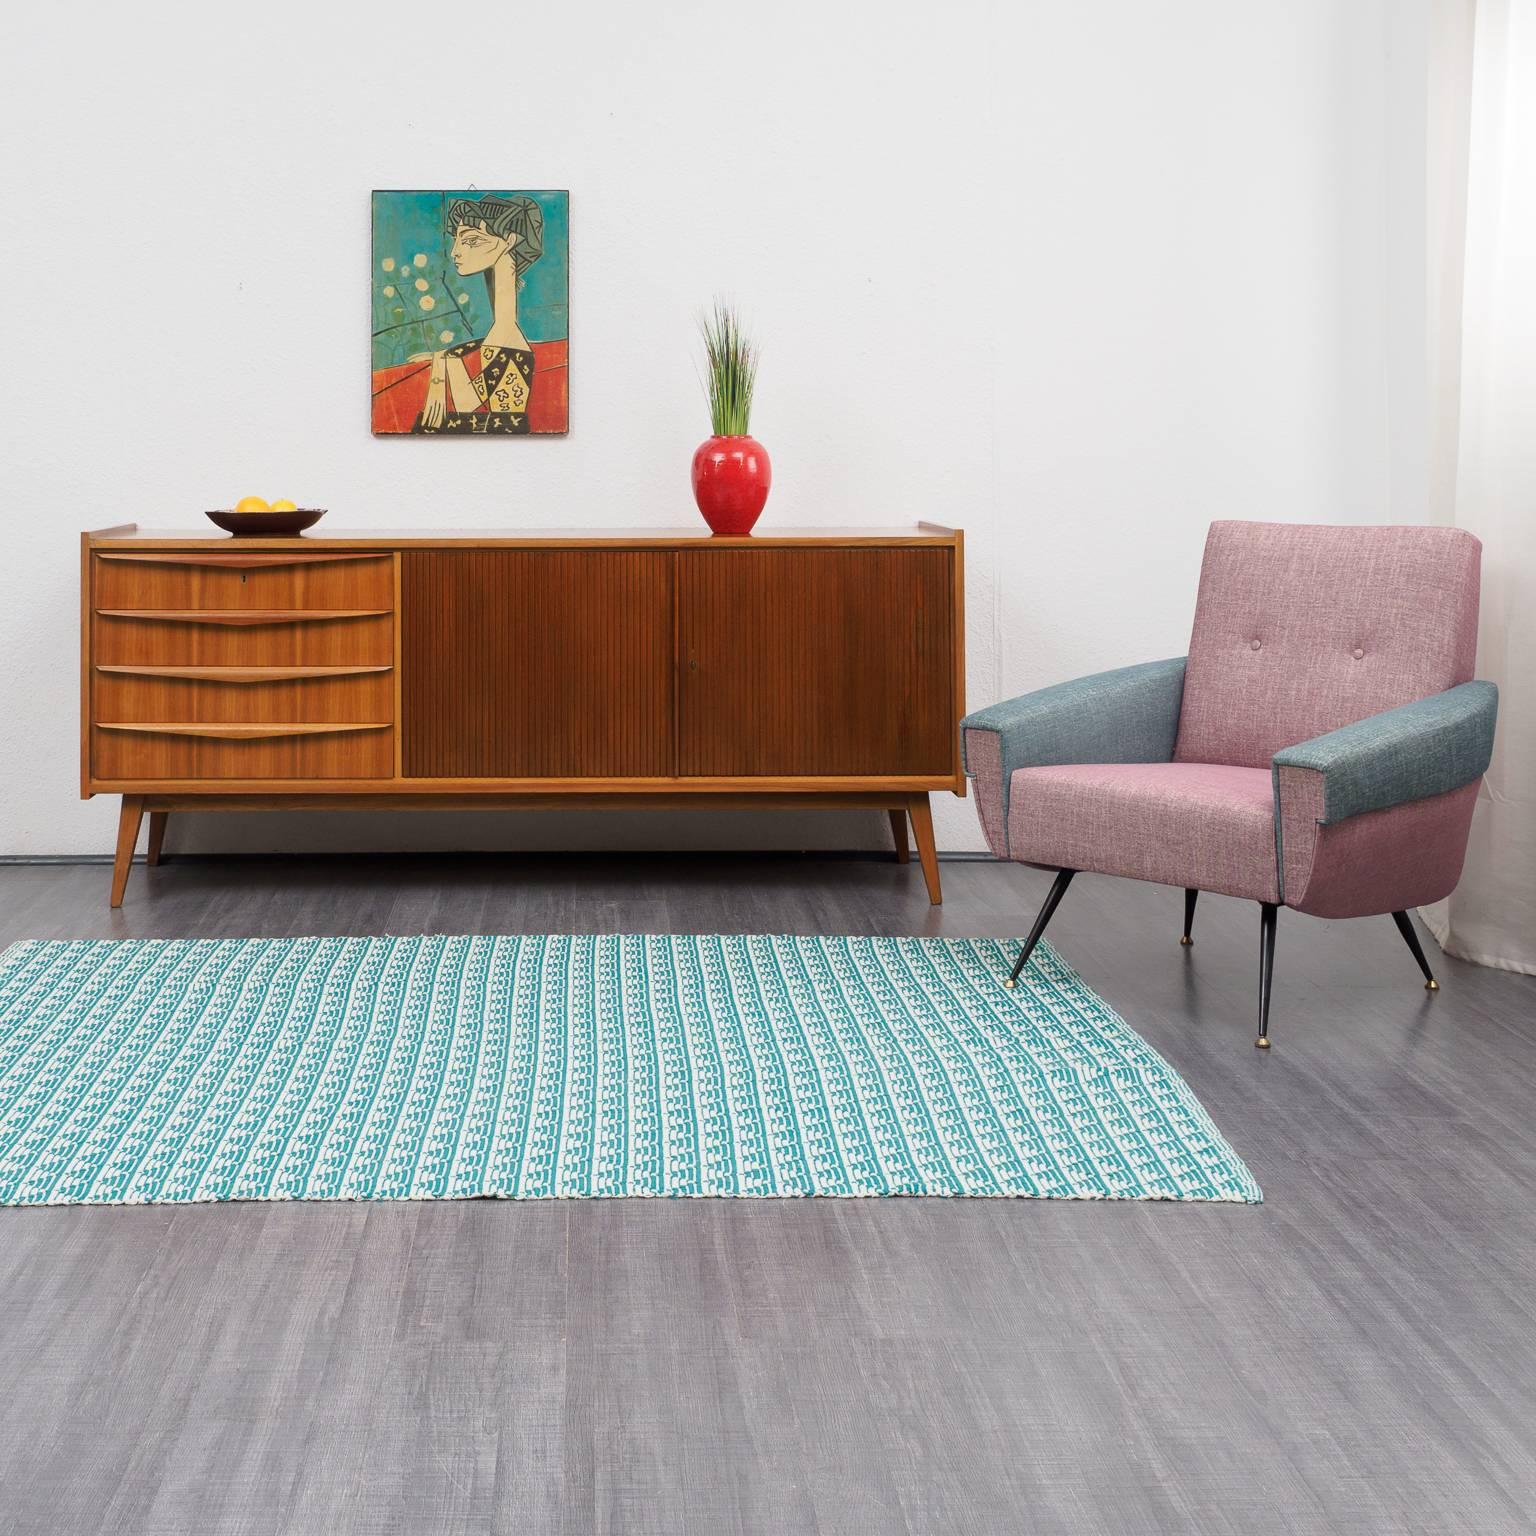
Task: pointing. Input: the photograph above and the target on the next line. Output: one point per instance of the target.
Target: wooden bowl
(269, 524)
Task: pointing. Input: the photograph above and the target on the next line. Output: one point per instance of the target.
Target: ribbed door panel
(536, 663)
(816, 661)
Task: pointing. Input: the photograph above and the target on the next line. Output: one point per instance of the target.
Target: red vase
(731, 476)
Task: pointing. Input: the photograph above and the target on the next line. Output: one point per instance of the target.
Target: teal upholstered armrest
(1426, 748)
(1130, 715)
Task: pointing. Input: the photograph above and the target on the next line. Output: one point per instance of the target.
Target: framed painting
(470, 313)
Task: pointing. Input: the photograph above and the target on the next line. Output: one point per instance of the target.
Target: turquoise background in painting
(410, 224)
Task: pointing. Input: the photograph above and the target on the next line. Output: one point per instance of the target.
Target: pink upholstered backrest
(1301, 628)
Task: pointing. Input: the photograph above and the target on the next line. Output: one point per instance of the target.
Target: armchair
(1319, 748)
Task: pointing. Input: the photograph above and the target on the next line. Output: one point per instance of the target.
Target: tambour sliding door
(537, 663)
(819, 661)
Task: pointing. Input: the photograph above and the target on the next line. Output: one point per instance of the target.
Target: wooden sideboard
(521, 670)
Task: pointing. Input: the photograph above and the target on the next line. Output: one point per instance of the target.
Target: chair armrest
(1421, 749)
(1130, 715)
(1122, 716)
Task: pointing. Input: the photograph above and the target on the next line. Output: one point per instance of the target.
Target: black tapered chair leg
(1269, 912)
(1190, 898)
(1411, 939)
(1052, 901)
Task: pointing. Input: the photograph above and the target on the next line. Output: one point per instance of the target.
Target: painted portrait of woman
(469, 334)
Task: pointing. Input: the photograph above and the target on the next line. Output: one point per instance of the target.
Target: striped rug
(527, 1067)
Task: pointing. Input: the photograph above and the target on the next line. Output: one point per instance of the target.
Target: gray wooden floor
(1358, 1354)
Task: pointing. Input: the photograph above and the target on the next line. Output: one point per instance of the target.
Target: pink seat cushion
(1303, 628)
(1192, 824)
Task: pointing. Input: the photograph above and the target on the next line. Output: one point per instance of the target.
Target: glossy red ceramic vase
(731, 476)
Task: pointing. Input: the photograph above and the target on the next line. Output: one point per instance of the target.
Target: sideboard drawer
(254, 696)
(311, 639)
(181, 582)
(138, 752)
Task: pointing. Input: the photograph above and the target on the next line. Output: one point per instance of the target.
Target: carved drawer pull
(240, 732)
(246, 616)
(242, 674)
(244, 561)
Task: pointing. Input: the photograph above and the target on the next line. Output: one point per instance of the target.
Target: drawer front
(147, 755)
(348, 697)
(365, 641)
(344, 582)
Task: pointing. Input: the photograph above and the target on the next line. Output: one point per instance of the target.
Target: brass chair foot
(1186, 940)
(1262, 1042)
(1431, 985)
(1010, 983)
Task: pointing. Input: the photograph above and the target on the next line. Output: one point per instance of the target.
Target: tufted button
(1358, 653)
(1254, 644)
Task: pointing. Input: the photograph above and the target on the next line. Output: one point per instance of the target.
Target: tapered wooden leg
(922, 827)
(127, 839)
(157, 821)
(899, 835)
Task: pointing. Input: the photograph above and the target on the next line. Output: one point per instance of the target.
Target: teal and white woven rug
(416, 1068)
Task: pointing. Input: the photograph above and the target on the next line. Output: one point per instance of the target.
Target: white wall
(1077, 277)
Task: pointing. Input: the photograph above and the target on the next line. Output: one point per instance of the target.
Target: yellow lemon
(251, 504)
(284, 506)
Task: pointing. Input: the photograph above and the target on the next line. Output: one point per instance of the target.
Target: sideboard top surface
(131, 536)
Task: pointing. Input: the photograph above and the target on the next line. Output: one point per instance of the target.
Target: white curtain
(1482, 270)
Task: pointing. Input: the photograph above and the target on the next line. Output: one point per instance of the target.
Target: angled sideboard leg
(157, 820)
(899, 834)
(127, 838)
(922, 826)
